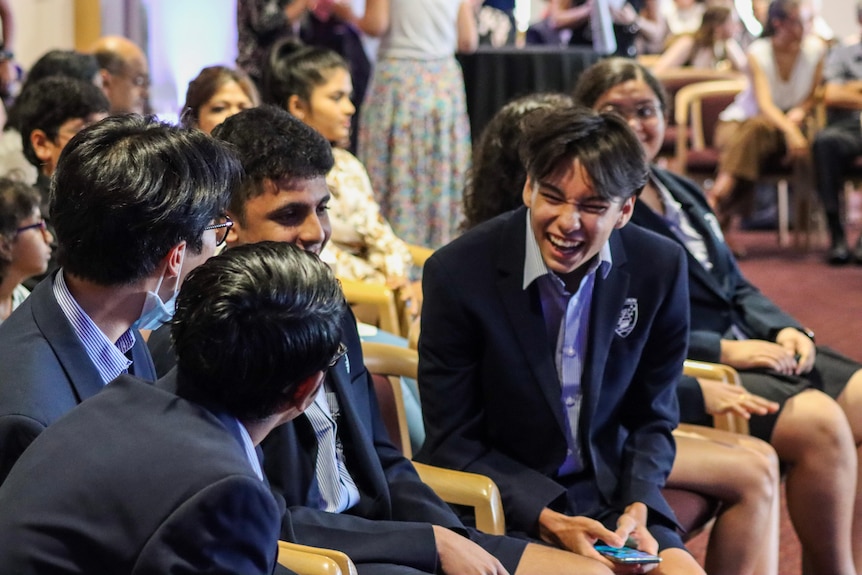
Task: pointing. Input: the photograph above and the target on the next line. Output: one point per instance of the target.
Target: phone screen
(627, 555)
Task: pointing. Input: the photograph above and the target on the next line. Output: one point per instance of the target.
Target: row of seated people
(311, 246)
(772, 126)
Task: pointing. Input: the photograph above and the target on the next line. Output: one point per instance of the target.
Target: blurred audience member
(683, 16)
(314, 85)
(766, 122)
(713, 46)
(260, 25)
(215, 94)
(25, 242)
(653, 28)
(571, 19)
(414, 134)
(8, 69)
(125, 74)
(839, 144)
(68, 63)
(50, 112)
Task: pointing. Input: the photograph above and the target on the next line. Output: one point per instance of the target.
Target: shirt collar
(250, 451)
(534, 265)
(109, 358)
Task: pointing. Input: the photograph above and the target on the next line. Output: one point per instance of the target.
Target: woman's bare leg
(850, 401)
(741, 472)
(813, 436)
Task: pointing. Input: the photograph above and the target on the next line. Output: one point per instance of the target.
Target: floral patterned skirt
(414, 139)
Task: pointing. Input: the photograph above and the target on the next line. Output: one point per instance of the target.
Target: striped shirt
(109, 358)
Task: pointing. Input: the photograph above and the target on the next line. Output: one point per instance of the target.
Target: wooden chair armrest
(471, 489)
(377, 295)
(726, 374)
(420, 254)
(307, 560)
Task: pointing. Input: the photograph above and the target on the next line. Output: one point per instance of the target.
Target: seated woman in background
(739, 471)
(314, 85)
(217, 93)
(766, 121)
(25, 242)
(817, 433)
(713, 46)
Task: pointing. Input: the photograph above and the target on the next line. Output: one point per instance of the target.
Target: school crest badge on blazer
(628, 317)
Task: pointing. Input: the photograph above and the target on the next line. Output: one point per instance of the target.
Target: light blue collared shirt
(109, 358)
(567, 319)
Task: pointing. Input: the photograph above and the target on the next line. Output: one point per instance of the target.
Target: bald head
(125, 74)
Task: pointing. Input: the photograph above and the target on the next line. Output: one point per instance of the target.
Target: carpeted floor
(826, 299)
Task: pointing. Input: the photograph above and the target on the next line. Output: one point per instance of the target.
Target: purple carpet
(826, 299)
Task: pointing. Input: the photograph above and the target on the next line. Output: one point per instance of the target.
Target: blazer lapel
(51, 321)
(699, 219)
(524, 312)
(608, 298)
(142, 361)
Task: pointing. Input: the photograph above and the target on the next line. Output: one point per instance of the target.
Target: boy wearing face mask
(136, 205)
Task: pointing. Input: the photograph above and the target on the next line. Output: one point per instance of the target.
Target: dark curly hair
(497, 178)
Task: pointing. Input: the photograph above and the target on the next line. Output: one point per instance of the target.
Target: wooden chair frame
(726, 374)
(306, 560)
(457, 487)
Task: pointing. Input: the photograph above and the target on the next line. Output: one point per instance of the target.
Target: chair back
(697, 107)
(674, 80)
(387, 364)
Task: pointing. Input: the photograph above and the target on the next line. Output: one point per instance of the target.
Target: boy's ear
(42, 145)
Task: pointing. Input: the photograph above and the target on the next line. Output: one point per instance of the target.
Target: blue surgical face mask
(156, 312)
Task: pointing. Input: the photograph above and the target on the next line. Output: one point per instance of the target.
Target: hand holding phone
(627, 555)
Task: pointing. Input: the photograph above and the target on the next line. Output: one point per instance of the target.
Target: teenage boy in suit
(552, 340)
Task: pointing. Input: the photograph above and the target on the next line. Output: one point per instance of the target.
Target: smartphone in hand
(627, 555)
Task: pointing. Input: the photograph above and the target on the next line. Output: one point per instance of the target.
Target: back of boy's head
(271, 144)
(129, 188)
(49, 103)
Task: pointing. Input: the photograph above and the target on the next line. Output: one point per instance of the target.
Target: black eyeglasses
(223, 227)
(40, 224)
(339, 353)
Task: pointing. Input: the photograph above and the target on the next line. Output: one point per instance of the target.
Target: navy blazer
(392, 521)
(721, 297)
(137, 480)
(45, 371)
(489, 388)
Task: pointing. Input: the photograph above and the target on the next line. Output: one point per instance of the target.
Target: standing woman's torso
(787, 92)
(421, 29)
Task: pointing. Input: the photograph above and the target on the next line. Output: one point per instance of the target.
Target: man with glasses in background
(136, 205)
(125, 74)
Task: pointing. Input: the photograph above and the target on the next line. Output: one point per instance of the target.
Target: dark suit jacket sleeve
(229, 527)
(364, 540)
(452, 404)
(17, 432)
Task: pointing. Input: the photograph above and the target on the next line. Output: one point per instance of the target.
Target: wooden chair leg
(783, 213)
